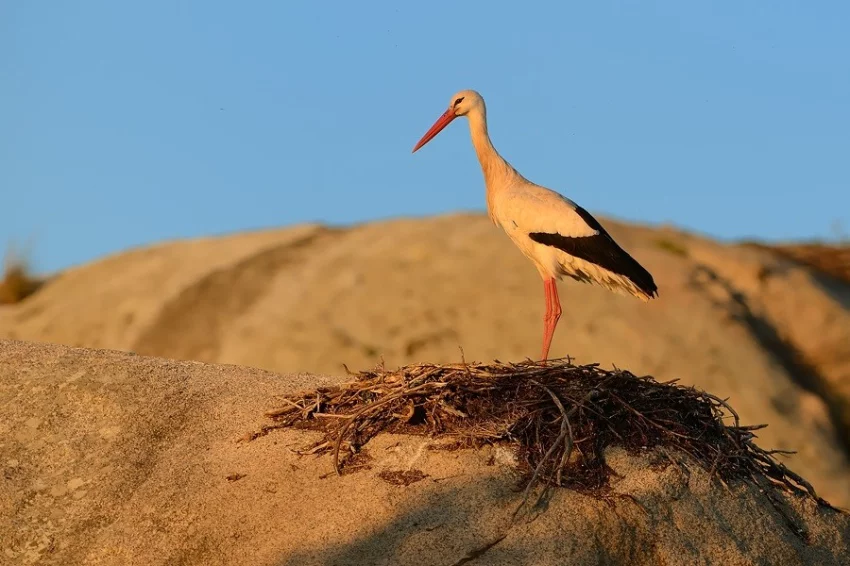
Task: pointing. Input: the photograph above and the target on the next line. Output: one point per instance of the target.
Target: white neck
(498, 173)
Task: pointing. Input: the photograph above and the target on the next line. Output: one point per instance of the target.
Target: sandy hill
(111, 458)
(832, 260)
(768, 332)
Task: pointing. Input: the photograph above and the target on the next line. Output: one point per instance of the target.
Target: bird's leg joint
(553, 302)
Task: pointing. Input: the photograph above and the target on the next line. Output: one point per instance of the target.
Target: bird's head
(461, 104)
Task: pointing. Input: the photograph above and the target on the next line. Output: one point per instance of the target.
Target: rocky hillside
(768, 332)
(832, 260)
(115, 459)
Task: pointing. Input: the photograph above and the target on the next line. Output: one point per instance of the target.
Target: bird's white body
(524, 207)
(556, 234)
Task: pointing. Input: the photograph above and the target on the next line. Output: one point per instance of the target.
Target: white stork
(557, 235)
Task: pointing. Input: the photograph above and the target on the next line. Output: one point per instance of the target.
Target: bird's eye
(458, 101)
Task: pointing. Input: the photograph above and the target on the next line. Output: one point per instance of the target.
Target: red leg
(553, 313)
(547, 316)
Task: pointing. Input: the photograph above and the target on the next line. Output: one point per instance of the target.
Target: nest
(560, 417)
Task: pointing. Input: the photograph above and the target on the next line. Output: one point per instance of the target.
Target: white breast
(523, 209)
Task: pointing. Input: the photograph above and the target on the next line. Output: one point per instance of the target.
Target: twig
(473, 404)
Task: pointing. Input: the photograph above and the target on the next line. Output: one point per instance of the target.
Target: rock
(162, 491)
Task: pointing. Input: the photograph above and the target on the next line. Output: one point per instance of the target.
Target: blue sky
(123, 124)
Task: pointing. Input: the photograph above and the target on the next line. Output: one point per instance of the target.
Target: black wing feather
(600, 250)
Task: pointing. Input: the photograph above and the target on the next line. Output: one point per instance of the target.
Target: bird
(559, 237)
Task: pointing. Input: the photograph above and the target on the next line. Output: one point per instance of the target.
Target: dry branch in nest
(560, 416)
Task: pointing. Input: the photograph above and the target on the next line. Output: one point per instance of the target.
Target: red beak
(441, 123)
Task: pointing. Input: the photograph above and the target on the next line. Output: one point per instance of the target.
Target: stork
(557, 235)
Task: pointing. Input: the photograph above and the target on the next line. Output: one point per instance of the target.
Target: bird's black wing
(601, 250)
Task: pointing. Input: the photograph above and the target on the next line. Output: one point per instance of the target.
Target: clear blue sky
(123, 124)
